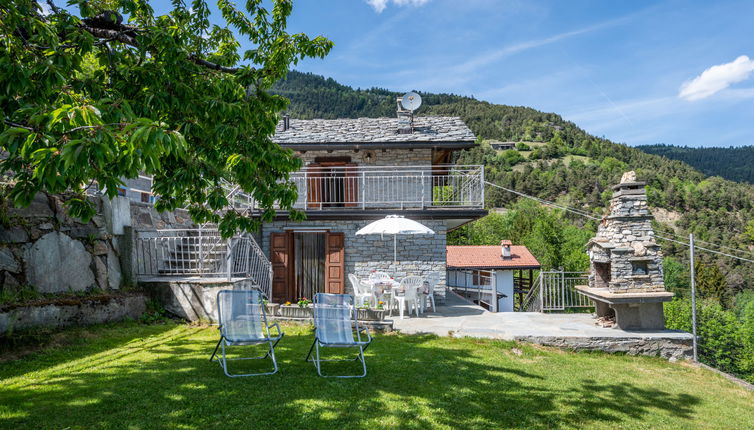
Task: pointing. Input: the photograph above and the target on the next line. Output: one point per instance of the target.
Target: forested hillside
(559, 161)
(734, 163)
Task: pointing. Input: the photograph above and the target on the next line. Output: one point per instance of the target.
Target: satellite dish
(411, 101)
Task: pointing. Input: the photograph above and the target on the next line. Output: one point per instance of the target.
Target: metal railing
(476, 285)
(556, 291)
(202, 253)
(389, 187)
(360, 187)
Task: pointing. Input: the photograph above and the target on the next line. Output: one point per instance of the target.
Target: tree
(88, 98)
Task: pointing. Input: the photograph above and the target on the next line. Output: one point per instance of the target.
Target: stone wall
(391, 157)
(672, 349)
(82, 311)
(417, 255)
(145, 217)
(42, 248)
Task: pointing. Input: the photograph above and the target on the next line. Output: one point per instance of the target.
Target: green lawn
(157, 376)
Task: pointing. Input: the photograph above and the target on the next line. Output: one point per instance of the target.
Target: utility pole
(693, 293)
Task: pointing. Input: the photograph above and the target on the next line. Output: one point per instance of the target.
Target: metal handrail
(202, 253)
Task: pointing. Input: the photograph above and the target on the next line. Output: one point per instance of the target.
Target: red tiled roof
(489, 257)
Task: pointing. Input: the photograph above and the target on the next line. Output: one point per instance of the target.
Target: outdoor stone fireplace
(625, 276)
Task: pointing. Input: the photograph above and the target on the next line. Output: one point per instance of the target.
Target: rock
(58, 263)
(100, 272)
(8, 261)
(100, 248)
(45, 226)
(13, 235)
(639, 249)
(114, 276)
(10, 282)
(628, 177)
(39, 208)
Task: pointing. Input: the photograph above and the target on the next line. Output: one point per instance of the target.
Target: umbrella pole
(395, 249)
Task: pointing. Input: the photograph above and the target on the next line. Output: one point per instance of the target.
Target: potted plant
(302, 309)
(365, 313)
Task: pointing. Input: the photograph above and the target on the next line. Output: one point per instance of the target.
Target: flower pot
(295, 311)
(272, 309)
(371, 314)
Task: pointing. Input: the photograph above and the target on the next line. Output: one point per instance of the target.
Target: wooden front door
(335, 265)
(284, 264)
(281, 256)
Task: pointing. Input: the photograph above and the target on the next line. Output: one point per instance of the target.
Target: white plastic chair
(411, 285)
(432, 279)
(382, 278)
(362, 290)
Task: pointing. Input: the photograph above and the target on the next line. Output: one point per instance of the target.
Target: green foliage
(161, 95)
(676, 276)
(521, 146)
(726, 341)
(733, 163)
(546, 232)
(711, 283)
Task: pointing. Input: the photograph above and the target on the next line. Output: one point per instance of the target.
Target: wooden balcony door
(306, 263)
(332, 184)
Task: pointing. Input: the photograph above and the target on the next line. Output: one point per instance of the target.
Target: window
(639, 268)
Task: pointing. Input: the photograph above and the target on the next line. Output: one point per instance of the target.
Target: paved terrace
(459, 318)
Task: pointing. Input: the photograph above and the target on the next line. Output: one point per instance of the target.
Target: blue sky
(632, 71)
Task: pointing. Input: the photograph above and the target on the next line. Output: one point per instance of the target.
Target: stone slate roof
(427, 129)
(488, 257)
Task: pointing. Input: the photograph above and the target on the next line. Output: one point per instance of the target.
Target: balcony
(389, 187)
(354, 187)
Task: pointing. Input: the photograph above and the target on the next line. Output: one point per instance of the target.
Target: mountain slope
(568, 165)
(735, 164)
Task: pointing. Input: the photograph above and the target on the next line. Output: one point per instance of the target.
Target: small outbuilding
(491, 275)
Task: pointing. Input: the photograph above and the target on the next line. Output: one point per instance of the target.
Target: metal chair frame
(358, 343)
(224, 341)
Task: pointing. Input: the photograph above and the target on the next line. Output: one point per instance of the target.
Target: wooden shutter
(335, 265)
(280, 250)
(314, 186)
(351, 186)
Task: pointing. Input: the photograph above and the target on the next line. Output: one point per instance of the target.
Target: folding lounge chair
(243, 322)
(333, 318)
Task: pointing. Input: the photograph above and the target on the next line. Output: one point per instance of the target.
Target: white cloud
(716, 79)
(380, 5)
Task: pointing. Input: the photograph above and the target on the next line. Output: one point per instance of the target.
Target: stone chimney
(624, 257)
(505, 249)
(405, 119)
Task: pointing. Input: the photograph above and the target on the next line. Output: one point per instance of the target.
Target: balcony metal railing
(478, 286)
(366, 187)
(389, 187)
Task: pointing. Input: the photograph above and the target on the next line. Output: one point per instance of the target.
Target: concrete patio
(459, 318)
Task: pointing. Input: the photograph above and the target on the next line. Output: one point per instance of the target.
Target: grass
(139, 376)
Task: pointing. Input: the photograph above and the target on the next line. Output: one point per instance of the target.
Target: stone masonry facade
(417, 255)
(625, 242)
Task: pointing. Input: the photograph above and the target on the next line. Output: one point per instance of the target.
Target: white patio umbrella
(395, 225)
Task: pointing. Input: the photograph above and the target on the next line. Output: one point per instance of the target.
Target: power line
(586, 215)
(545, 202)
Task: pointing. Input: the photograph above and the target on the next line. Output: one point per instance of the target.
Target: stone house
(360, 170)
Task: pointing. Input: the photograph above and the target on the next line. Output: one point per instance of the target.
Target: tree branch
(15, 124)
(121, 35)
